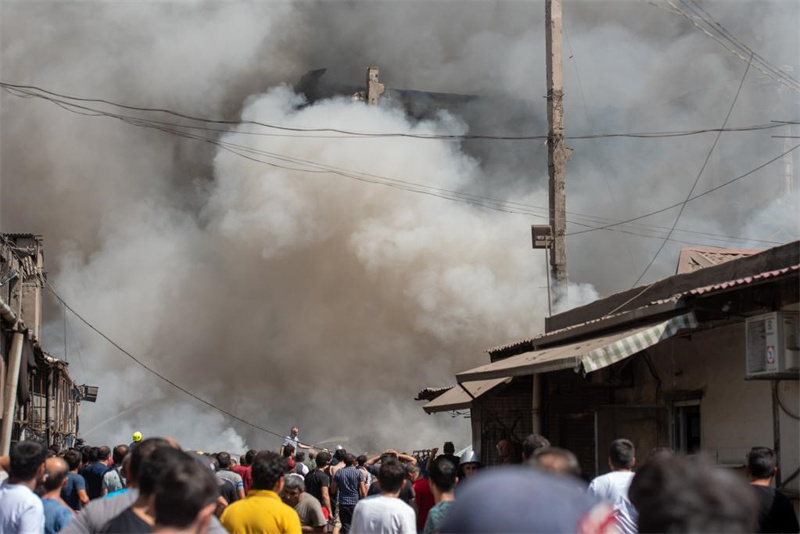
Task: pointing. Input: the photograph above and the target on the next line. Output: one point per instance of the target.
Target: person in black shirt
(775, 512)
(318, 483)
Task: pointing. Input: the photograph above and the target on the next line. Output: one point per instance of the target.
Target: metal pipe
(7, 313)
(10, 401)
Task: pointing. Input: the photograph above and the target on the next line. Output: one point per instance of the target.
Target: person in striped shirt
(348, 486)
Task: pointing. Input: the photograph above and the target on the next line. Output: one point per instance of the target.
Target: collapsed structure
(38, 399)
(707, 360)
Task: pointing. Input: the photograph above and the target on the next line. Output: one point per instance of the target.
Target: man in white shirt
(613, 486)
(385, 513)
(20, 509)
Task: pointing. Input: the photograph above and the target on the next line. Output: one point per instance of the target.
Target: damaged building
(707, 360)
(38, 399)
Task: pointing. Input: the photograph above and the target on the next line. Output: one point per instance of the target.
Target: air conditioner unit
(772, 344)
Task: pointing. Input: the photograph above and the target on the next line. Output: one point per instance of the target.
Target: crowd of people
(152, 485)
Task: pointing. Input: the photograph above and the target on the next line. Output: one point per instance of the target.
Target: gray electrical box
(772, 344)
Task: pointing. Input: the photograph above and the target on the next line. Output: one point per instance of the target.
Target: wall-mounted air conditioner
(772, 344)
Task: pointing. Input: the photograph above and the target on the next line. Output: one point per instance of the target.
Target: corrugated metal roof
(693, 258)
(742, 281)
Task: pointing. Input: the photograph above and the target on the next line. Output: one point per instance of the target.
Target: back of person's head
(339, 455)
(391, 475)
(449, 448)
(224, 460)
(622, 454)
(361, 459)
(676, 493)
(85, 454)
(300, 457)
(155, 465)
(443, 474)
(26, 459)
(412, 471)
(249, 456)
(323, 459)
(288, 450)
(103, 453)
(140, 453)
(73, 459)
(294, 481)
(523, 500)
(555, 460)
(56, 473)
(186, 493)
(533, 443)
(349, 460)
(761, 463)
(268, 469)
(94, 454)
(120, 451)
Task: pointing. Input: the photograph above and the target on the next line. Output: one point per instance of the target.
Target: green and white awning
(587, 355)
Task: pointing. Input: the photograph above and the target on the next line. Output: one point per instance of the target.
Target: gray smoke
(312, 299)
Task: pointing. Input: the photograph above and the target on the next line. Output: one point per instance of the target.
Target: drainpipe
(10, 400)
(7, 313)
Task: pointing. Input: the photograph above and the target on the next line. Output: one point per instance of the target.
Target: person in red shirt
(424, 495)
(245, 470)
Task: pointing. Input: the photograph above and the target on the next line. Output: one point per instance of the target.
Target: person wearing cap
(137, 438)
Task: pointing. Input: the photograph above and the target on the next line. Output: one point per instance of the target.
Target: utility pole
(557, 153)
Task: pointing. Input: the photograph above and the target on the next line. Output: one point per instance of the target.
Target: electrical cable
(156, 373)
(696, 180)
(362, 135)
(485, 202)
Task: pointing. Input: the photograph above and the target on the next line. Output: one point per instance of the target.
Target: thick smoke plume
(317, 300)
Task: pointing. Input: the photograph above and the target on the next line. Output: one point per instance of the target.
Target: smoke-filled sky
(311, 299)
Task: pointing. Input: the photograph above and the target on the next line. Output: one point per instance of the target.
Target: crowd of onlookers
(152, 485)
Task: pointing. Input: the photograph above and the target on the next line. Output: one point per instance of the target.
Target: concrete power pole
(557, 153)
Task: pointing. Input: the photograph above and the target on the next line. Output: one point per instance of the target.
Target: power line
(707, 192)
(480, 201)
(153, 371)
(734, 47)
(696, 180)
(357, 134)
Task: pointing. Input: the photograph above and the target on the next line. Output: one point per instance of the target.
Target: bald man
(56, 512)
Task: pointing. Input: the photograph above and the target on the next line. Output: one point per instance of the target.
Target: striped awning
(587, 355)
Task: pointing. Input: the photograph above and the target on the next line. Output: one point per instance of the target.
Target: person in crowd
(185, 498)
(675, 493)
(613, 487)
(516, 499)
(533, 443)
(138, 518)
(468, 466)
(361, 465)
(373, 468)
(74, 492)
(311, 462)
(423, 494)
(225, 473)
(114, 479)
(293, 440)
(307, 507)
(57, 514)
(348, 487)
(448, 451)
(136, 438)
(385, 513)
(555, 460)
(96, 470)
(318, 483)
(775, 511)
(443, 479)
(262, 510)
(227, 491)
(506, 452)
(244, 469)
(124, 471)
(301, 468)
(407, 494)
(20, 509)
